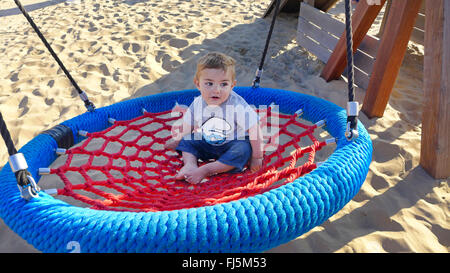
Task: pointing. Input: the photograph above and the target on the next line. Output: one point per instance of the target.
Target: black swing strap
(352, 105)
(89, 105)
(259, 71)
(25, 182)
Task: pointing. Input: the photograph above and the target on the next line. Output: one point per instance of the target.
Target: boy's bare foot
(182, 174)
(195, 176)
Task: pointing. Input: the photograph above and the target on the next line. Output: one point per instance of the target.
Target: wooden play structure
(378, 59)
(320, 33)
(418, 33)
(435, 148)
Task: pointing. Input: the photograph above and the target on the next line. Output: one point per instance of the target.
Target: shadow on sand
(29, 8)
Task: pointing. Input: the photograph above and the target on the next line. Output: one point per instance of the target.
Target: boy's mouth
(215, 97)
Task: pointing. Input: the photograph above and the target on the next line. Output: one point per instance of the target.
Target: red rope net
(126, 167)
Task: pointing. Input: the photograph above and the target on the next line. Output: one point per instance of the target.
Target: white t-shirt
(220, 124)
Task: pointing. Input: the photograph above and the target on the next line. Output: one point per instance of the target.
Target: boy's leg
(237, 153)
(190, 163)
(234, 157)
(196, 175)
(192, 148)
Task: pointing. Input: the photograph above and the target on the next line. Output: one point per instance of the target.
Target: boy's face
(215, 85)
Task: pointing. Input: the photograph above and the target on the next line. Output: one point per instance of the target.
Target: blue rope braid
(253, 224)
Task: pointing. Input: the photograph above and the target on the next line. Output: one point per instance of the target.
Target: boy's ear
(196, 83)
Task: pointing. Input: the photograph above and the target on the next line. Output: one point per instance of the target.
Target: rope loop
(25, 182)
(30, 190)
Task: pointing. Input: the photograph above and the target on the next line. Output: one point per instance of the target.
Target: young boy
(218, 125)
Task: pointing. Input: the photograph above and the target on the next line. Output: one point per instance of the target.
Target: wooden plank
(316, 38)
(362, 20)
(419, 26)
(420, 21)
(385, 16)
(390, 55)
(362, 61)
(327, 23)
(369, 45)
(322, 37)
(315, 48)
(362, 78)
(322, 19)
(435, 144)
(418, 36)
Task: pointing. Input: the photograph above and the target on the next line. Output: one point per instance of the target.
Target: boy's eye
(224, 84)
(208, 83)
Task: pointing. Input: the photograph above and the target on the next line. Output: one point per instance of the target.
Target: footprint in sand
(164, 37)
(378, 182)
(51, 83)
(92, 28)
(49, 102)
(134, 47)
(24, 105)
(37, 93)
(14, 77)
(178, 43)
(104, 70)
(116, 76)
(192, 35)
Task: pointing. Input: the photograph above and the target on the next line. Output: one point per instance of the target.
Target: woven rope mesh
(126, 167)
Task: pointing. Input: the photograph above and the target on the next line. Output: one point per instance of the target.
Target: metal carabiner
(29, 191)
(17, 162)
(351, 134)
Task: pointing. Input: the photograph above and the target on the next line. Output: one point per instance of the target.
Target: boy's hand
(256, 164)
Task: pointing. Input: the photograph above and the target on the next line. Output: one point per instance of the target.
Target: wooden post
(435, 147)
(391, 51)
(362, 20)
(385, 16)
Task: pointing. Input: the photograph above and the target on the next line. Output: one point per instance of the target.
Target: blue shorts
(235, 153)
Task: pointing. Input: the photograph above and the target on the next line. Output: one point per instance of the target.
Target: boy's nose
(216, 89)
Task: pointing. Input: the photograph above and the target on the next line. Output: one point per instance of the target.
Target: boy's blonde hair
(216, 60)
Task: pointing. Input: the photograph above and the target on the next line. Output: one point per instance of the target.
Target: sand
(118, 50)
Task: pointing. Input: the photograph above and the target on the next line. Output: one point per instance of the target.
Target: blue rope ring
(253, 224)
